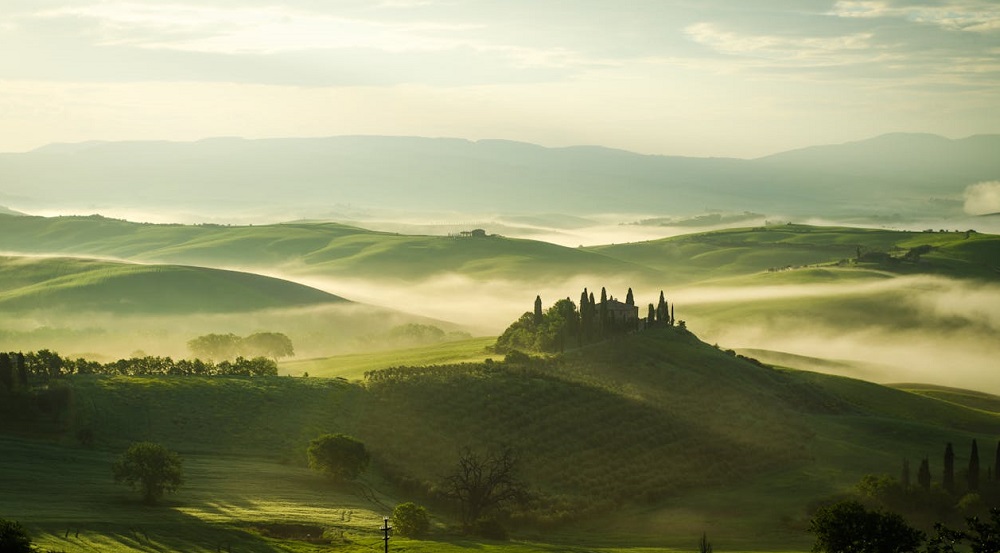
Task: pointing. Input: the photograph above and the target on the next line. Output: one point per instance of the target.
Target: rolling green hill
(744, 251)
(85, 285)
(656, 431)
(305, 249)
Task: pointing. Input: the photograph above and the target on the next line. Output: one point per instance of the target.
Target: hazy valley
(733, 419)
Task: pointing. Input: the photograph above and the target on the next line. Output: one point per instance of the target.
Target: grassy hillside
(306, 249)
(643, 442)
(735, 252)
(353, 366)
(86, 285)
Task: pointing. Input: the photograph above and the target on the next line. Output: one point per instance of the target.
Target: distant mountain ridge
(890, 173)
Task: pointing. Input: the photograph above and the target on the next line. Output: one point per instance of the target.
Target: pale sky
(739, 78)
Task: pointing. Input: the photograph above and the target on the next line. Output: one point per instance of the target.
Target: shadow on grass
(165, 530)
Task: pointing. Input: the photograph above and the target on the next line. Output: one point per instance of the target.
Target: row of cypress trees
(972, 476)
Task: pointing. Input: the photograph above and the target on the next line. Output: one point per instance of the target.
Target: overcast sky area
(678, 77)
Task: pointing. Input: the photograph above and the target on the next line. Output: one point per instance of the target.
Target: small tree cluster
(564, 325)
(848, 526)
(44, 365)
(274, 345)
(14, 538)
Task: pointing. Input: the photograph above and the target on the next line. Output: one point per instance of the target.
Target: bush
(410, 520)
(491, 529)
(13, 537)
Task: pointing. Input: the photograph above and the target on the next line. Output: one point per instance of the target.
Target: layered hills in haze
(892, 174)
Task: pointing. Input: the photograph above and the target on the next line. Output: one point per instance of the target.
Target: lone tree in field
(484, 484)
(339, 456)
(14, 538)
(151, 468)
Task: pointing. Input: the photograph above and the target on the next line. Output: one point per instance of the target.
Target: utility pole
(385, 532)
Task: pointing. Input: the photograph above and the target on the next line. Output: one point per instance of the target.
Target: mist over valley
(499, 277)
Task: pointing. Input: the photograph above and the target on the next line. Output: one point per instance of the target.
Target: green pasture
(354, 366)
(306, 249)
(75, 285)
(643, 442)
(735, 252)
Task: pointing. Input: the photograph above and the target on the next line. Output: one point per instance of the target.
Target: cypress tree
(924, 475)
(974, 467)
(603, 322)
(6, 372)
(629, 300)
(651, 318)
(996, 463)
(538, 309)
(662, 316)
(905, 480)
(22, 370)
(672, 320)
(948, 480)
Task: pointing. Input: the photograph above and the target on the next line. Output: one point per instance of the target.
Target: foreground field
(640, 443)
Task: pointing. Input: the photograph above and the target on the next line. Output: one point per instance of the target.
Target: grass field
(305, 249)
(78, 285)
(353, 366)
(638, 444)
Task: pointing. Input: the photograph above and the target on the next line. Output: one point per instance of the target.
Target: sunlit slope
(354, 365)
(734, 252)
(637, 420)
(77, 285)
(306, 249)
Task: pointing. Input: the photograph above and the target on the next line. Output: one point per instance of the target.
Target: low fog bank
(482, 308)
(315, 331)
(909, 329)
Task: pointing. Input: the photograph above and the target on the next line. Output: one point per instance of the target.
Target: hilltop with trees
(565, 326)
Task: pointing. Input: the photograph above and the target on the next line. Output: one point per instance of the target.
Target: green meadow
(642, 443)
(76, 285)
(353, 366)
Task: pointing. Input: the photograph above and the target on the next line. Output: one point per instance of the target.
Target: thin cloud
(973, 16)
(808, 50)
(264, 30)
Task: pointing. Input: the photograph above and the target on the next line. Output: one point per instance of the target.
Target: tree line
(565, 325)
(20, 371)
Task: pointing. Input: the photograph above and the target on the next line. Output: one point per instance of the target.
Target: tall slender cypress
(6, 371)
(629, 299)
(22, 369)
(948, 480)
(651, 318)
(974, 467)
(538, 310)
(603, 314)
(996, 463)
(924, 475)
(662, 316)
